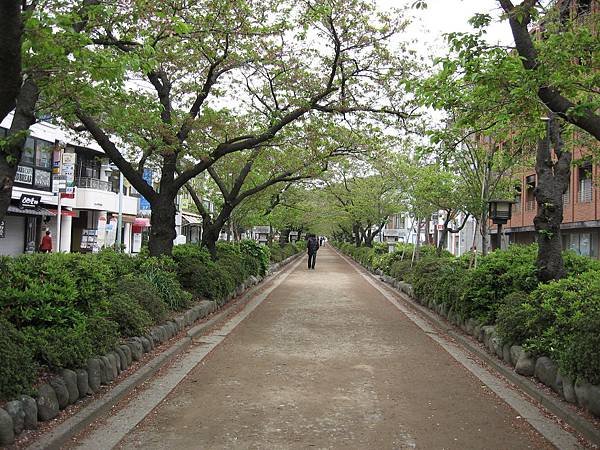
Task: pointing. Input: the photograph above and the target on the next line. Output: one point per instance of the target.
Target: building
(89, 207)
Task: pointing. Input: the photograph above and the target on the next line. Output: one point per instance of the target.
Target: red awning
(141, 222)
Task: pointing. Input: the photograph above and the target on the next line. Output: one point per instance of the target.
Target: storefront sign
(24, 175)
(2, 229)
(145, 204)
(30, 201)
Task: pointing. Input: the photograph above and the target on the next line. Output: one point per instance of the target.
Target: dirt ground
(326, 362)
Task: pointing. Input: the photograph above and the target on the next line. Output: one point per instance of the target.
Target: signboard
(56, 158)
(2, 229)
(30, 201)
(59, 183)
(42, 179)
(145, 204)
(24, 175)
(69, 158)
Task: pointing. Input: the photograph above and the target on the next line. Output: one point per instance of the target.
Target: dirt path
(326, 362)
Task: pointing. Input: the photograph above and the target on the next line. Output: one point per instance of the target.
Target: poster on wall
(111, 232)
(137, 243)
(101, 239)
(145, 204)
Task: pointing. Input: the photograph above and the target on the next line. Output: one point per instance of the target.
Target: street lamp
(500, 213)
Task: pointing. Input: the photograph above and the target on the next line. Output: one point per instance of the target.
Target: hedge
(58, 310)
(560, 319)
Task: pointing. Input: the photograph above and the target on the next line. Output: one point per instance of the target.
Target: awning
(127, 218)
(191, 219)
(39, 211)
(141, 222)
(64, 212)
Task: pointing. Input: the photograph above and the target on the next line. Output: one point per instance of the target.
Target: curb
(65, 431)
(551, 403)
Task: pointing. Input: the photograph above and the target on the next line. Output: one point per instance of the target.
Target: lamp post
(500, 213)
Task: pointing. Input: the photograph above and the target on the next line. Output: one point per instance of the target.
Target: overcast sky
(444, 16)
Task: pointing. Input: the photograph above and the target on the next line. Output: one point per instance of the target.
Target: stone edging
(544, 369)
(71, 386)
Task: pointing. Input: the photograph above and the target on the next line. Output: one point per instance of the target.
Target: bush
(401, 270)
(161, 273)
(17, 370)
(133, 320)
(71, 346)
(515, 318)
(564, 319)
(497, 275)
(142, 292)
(256, 252)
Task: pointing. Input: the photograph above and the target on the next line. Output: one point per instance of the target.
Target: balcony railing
(93, 183)
(530, 205)
(585, 192)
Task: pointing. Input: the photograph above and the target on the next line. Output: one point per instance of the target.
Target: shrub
(206, 280)
(161, 273)
(133, 320)
(401, 270)
(515, 318)
(497, 275)
(426, 276)
(71, 346)
(17, 370)
(256, 252)
(142, 292)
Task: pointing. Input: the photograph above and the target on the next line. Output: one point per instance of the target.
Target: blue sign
(145, 204)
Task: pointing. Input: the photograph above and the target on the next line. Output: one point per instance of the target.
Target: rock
(478, 333)
(83, 385)
(188, 317)
(17, 414)
(150, 341)
(515, 354)
(137, 350)
(488, 331)
(470, 325)
(7, 429)
(117, 361)
(546, 371)
(525, 365)
(121, 354)
(506, 353)
(588, 396)
(30, 410)
(104, 370)
(47, 403)
(62, 393)
(94, 374)
(568, 388)
(240, 290)
(112, 360)
(146, 345)
(70, 379)
(127, 352)
(495, 345)
(206, 307)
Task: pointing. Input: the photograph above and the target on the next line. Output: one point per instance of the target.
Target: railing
(93, 183)
(530, 205)
(585, 191)
(566, 198)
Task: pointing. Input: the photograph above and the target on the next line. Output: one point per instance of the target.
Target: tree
(365, 193)
(552, 60)
(221, 79)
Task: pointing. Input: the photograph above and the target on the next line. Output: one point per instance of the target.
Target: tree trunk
(10, 154)
(356, 232)
(210, 236)
(162, 221)
(552, 182)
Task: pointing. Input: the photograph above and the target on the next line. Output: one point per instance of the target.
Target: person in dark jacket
(312, 246)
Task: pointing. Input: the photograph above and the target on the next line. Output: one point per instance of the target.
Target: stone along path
(326, 361)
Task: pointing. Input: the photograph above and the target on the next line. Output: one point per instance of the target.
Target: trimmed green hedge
(560, 319)
(60, 309)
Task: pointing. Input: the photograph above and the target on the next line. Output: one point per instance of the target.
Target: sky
(444, 16)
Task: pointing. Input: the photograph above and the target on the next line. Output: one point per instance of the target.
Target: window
(43, 154)
(582, 243)
(28, 151)
(88, 166)
(529, 194)
(584, 175)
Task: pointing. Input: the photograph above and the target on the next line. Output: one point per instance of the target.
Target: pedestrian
(312, 247)
(321, 240)
(46, 244)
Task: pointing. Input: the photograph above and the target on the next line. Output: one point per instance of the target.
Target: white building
(89, 210)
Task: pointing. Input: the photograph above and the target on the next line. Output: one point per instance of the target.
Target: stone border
(70, 386)
(544, 369)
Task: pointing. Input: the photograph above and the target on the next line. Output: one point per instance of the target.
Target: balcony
(530, 205)
(93, 183)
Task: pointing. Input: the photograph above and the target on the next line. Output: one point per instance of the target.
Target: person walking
(312, 247)
(46, 244)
